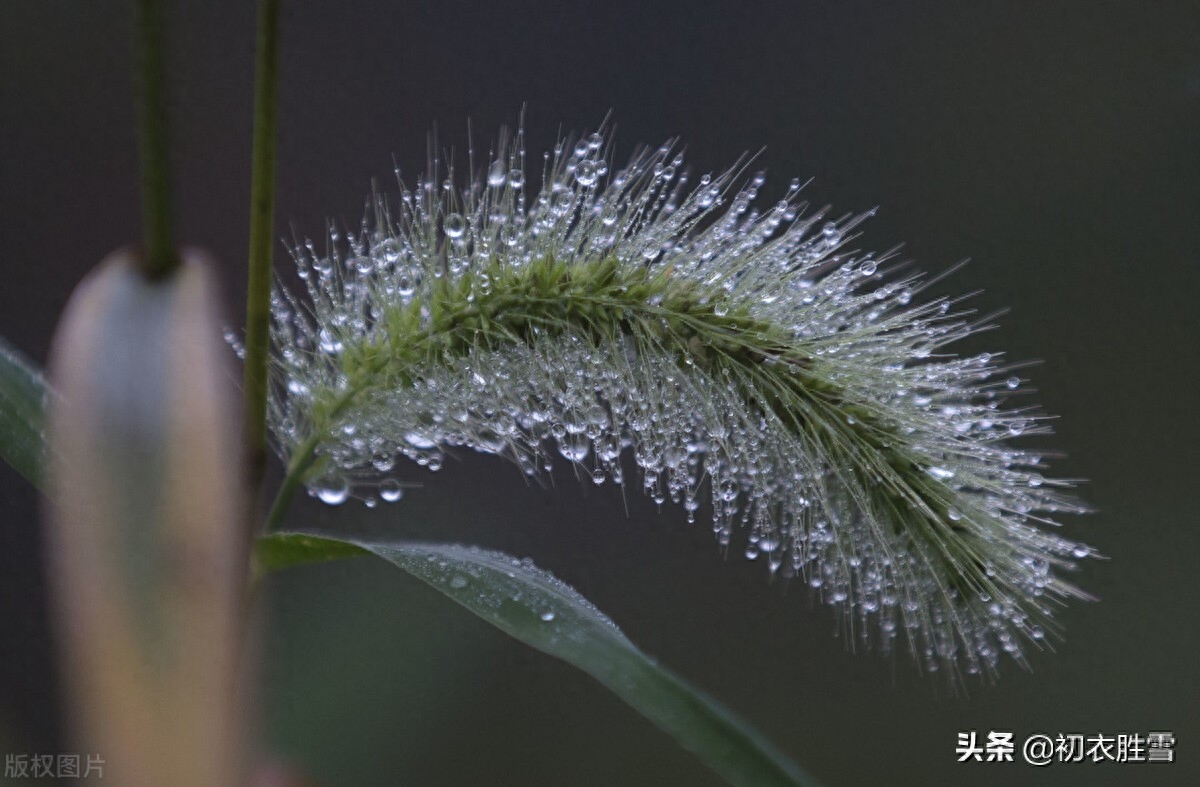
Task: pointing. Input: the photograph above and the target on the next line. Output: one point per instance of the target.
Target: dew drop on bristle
(454, 225)
(332, 492)
(390, 490)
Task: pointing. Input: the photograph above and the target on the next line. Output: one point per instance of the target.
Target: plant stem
(301, 460)
(159, 257)
(295, 474)
(262, 223)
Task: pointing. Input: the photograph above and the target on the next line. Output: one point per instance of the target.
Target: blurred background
(1055, 144)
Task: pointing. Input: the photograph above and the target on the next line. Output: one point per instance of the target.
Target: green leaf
(22, 413)
(284, 550)
(536, 608)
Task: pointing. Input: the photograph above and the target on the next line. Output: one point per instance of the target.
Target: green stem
(301, 461)
(159, 257)
(262, 224)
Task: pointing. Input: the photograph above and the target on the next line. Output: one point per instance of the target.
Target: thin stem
(159, 257)
(295, 474)
(262, 223)
(302, 459)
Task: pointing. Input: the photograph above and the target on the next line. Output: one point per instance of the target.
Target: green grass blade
(284, 550)
(22, 413)
(536, 608)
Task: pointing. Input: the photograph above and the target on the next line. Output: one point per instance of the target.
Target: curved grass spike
(746, 353)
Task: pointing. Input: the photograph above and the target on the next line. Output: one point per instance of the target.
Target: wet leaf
(533, 606)
(22, 413)
(284, 550)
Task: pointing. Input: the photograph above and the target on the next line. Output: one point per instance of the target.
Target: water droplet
(547, 616)
(574, 447)
(561, 201)
(333, 491)
(390, 490)
(496, 175)
(585, 172)
(329, 342)
(1013, 383)
(458, 582)
(407, 281)
(454, 225)
(420, 441)
(388, 250)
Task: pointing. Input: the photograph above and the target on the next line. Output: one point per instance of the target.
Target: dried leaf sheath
(741, 355)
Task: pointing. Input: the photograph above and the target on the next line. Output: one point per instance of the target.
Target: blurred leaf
(145, 540)
(536, 608)
(22, 413)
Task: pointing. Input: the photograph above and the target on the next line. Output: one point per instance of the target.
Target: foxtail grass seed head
(739, 353)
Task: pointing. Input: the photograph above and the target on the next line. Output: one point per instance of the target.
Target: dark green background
(1053, 143)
